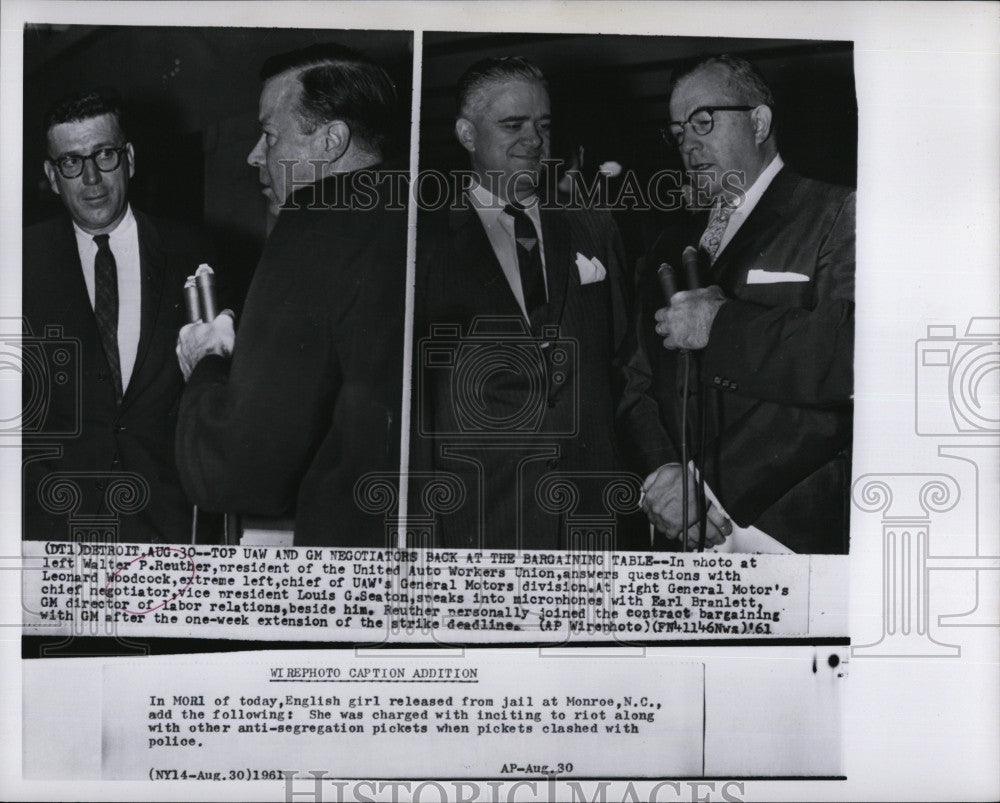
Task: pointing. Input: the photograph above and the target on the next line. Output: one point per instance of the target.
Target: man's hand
(196, 340)
(663, 504)
(687, 322)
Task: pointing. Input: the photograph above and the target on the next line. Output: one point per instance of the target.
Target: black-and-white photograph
(428, 401)
(560, 378)
(218, 325)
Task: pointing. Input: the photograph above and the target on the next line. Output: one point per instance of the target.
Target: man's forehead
(515, 97)
(710, 85)
(279, 93)
(102, 129)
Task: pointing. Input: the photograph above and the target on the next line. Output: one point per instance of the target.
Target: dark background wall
(609, 95)
(190, 98)
(191, 108)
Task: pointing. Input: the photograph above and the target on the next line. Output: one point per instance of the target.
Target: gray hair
(491, 71)
(744, 80)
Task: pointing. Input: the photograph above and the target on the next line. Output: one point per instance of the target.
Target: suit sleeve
(639, 415)
(247, 431)
(621, 287)
(792, 355)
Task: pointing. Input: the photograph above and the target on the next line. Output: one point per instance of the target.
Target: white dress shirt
(499, 228)
(124, 244)
(750, 199)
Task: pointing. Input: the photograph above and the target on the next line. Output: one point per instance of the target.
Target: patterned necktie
(106, 307)
(529, 260)
(718, 219)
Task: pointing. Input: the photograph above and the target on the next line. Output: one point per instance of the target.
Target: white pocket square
(591, 270)
(757, 276)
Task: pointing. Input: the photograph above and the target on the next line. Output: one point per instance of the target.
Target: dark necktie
(529, 260)
(106, 307)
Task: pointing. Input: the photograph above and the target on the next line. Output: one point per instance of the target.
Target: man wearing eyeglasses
(771, 334)
(111, 279)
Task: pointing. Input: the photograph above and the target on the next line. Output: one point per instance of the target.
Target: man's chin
(522, 184)
(273, 205)
(98, 221)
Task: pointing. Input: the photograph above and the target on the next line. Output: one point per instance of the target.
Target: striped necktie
(106, 307)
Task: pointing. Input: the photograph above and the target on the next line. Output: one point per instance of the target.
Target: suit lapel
(71, 302)
(152, 267)
(473, 254)
(759, 226)
(556, 242)
(68, 300)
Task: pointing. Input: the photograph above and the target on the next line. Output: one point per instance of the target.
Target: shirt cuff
(212, 368)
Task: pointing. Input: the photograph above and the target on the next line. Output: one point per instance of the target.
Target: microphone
(199, 295)
(191, 300)
(668, 283)
(690, 260)
(205, 278)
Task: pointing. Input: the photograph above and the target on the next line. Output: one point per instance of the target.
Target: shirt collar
(490, 207)
(753, 195)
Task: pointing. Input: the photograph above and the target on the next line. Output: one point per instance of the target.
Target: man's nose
(690, 143)
(91, 175)
(256, 157)
(533, 136)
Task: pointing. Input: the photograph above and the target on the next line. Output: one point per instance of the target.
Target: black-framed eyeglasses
(701, 121)
(105, 159)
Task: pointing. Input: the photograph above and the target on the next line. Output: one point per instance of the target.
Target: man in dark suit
(773, 334)
(521, 308)
(111, 279)
(311, 399)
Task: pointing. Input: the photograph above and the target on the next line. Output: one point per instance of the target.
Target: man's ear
(762, 118)
(336, 139)
(465, 130)
(130, 156)
(50, 174)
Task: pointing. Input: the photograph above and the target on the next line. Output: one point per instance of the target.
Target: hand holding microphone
(687, 320)
(208, 331)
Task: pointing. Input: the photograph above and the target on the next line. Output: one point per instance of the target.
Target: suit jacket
(80, 417)
(776, 378)
(311, 400)
(503, 407)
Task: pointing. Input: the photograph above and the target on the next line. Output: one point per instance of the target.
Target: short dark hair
(340, 83)
(79, 106)
(744, 79)
(493, 70)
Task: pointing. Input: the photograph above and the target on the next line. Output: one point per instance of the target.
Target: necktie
(718, 219)
(529, 260)
(106, 307)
